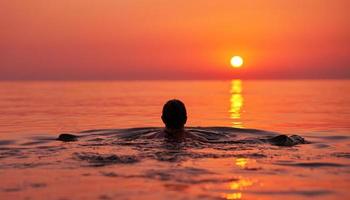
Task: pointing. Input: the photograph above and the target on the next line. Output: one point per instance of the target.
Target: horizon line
(185, 79)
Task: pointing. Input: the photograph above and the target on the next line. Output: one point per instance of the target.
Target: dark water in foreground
(110, 163)
(120, 164)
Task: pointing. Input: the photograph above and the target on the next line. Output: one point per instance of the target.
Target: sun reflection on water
(236, 103)
(237, 187)
(230, 196)
(241, 184)
(241, 162)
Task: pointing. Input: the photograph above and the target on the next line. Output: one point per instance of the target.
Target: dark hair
(174, 114)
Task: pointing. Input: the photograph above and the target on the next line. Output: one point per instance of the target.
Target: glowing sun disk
(236, 61)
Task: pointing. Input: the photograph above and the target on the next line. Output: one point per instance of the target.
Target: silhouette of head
(174, 114)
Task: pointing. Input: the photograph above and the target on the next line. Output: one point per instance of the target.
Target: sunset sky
(180, 39)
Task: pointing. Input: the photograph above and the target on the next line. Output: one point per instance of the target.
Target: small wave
(187, 175)
(6, 142)
(311, 164)
(308, 193)
(99, 160)
(341, 154)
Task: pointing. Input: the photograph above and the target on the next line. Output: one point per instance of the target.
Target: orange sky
(182, 39)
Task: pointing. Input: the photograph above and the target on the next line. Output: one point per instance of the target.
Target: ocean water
(289, 106)
(102, 165)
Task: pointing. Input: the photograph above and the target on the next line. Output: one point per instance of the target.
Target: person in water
(174, 117)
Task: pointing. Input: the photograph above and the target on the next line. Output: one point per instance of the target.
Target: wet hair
(174, 114)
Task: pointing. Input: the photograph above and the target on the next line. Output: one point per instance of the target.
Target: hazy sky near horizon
(182, 39)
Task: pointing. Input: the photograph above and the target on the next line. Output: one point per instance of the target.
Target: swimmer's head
(174, 114)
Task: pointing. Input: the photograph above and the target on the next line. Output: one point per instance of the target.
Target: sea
(103, 165)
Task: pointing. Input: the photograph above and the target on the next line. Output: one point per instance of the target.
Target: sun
(236, 61)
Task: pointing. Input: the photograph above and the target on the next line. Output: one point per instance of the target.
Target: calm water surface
(288, 106)
(101, 165)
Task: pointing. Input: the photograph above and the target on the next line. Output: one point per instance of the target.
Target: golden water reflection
(241, 162)
(242, 183)
(230, 196)
(236, 101)
(237, 187)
